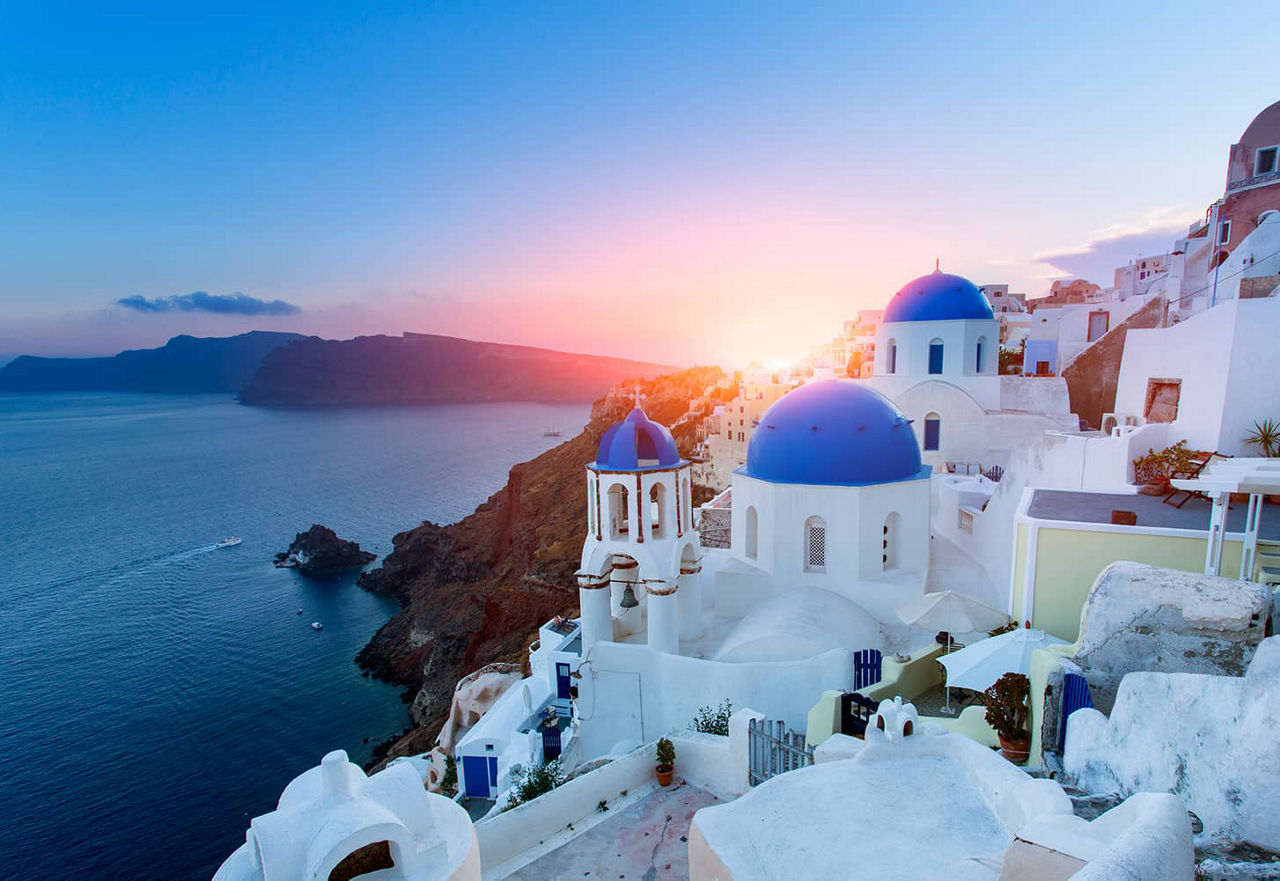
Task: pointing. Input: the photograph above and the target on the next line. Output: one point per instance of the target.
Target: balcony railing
(1256, 181)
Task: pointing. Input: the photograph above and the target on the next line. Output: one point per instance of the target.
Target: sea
(157, 692)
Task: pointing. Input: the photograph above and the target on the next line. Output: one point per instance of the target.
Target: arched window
(977, 360)
(815, 545)
(891, 357)
(657, 510)
(889, 557)
(753, 529)
(618, 511)
(932, 431)
(935, 356)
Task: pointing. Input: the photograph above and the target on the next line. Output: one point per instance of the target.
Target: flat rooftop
(646, 840)
(1091, 507)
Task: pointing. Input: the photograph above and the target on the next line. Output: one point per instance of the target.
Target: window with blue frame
(892, 366)
(977, 367)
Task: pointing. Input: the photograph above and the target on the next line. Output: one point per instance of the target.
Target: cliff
(427, 369)
(475, 592)
(185, 364)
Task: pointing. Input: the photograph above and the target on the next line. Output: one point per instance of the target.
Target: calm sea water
(155, 692)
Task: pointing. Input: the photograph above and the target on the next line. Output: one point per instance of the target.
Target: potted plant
(666, 755)
(1152, 471)
(1266, 437)
(1007, 711)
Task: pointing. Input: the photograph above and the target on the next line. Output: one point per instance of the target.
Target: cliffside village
(986, 591)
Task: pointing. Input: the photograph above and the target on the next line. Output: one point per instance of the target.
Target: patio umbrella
(953, 612)
(978, 666)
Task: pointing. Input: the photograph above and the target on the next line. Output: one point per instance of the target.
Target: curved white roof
(798, 624)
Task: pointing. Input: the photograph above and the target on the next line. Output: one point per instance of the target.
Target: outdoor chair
(1267, 562)
(1199, 461)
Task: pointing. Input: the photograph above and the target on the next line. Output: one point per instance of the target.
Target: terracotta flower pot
(664, 772)
(1017, 749)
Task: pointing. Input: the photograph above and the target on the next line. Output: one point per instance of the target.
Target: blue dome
(637, 442)
(938, 296)
(838, 432)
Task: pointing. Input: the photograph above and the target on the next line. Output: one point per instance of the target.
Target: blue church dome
(938, 296)
(837, 432)
(637, 442)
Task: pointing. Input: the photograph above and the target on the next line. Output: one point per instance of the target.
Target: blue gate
(1075, 696)
(550, 743)
(867, 668)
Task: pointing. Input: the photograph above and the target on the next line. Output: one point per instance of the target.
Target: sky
(709, 182)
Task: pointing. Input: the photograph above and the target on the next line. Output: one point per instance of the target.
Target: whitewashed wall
(628, 693)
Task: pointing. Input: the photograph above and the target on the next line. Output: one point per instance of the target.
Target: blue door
(475, 775)
(935, 357)
(562, 681)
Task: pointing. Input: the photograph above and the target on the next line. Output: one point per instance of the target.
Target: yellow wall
(1019, 571)
(1068, 562)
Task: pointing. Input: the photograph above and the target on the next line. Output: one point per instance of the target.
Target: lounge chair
(1200, 459)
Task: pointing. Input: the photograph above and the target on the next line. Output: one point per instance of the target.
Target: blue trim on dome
(634, 440)
(838, 432)
(938, 296)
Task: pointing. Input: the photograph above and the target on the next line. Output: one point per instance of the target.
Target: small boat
(551, 432)
(228, 542)
(299, 611)
(316, 625)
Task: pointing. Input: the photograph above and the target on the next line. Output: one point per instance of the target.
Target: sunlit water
(157, 692)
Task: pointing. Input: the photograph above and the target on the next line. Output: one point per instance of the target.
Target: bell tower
(641, 550)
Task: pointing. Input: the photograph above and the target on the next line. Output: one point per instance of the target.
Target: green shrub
(1155, 467)
(666, 752)
(535, 781)
(449, 782)
(713, 720)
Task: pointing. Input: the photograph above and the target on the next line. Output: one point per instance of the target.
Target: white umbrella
(953, 612)
(978, 666)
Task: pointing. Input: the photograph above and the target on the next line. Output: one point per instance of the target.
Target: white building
(1208, 378)
(830, 532)
(335, 820)
(937, 359)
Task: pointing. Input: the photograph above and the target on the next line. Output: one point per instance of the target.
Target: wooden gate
(868, 667)
(774, 749)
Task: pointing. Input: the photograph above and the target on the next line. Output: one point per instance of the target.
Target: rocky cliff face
(475, 592)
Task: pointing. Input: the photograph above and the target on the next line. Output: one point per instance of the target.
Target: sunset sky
(681, 182)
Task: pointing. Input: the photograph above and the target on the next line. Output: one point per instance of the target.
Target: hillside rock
(319, 552)
(185, 364)
(429, 369)
(474, 592)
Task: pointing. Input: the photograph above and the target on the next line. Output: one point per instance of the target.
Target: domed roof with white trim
(938, 296)
(837, 432)
(636, 443)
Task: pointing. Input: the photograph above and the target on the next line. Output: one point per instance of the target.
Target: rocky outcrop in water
(319, 552)
(475, 592)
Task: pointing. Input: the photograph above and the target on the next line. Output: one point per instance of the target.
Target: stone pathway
(644, 841)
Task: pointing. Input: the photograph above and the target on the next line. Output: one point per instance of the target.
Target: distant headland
(290, 370)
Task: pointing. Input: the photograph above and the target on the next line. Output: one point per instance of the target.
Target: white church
(937, 358)
(830, 533)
